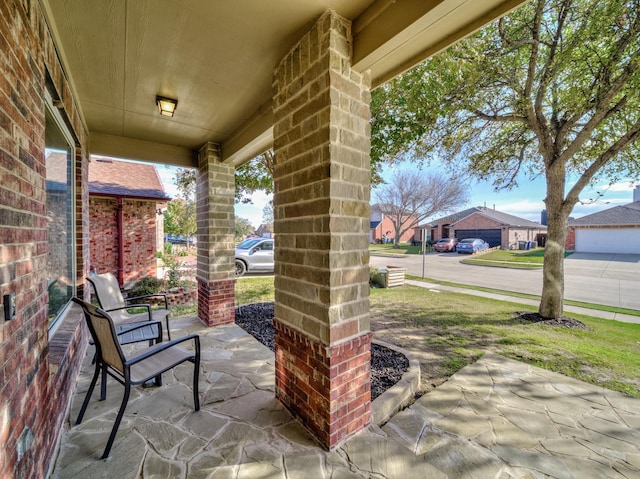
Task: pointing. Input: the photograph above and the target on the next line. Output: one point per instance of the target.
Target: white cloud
(167, 175)
(253, 211)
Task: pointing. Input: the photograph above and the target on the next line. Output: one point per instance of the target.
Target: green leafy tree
(179, 218)
(412, 196)
(255, 175)
(243, 228)
(551, 90)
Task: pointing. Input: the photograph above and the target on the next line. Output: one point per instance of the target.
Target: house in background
(614, 230)
(265, 230)
(495, 227)
(125, 218)
(381, 227)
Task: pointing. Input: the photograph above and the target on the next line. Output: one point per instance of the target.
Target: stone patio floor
(496, 418)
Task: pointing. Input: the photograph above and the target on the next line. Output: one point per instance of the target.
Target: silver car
(254, 254)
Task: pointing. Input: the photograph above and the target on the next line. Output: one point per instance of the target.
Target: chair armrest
(162, 346)
(163, 295)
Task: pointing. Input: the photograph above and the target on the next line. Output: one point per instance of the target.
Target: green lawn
(456, 329)
(388, 249)
(525, 259)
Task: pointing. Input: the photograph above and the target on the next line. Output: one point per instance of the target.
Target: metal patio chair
(107, 291)
(139, 368)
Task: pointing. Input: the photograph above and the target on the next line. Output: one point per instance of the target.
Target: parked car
(471, 245)
(254, 254)
(445, 244)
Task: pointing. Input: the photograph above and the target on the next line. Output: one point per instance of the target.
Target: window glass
(60, 217)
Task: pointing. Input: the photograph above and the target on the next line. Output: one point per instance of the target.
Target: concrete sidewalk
(496, 418)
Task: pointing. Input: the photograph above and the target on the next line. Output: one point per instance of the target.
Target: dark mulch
(387, 365)
(563, 321)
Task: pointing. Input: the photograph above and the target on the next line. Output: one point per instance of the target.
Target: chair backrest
(108, 293)
(104, 335)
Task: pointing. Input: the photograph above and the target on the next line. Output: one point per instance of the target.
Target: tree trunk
(551, 302)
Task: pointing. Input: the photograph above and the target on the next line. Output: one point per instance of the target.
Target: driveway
(606, 279)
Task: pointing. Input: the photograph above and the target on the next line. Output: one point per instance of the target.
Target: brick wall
(215, 193)
(36, 368)
(139, 235)
(321, 210)
(570, 241)
(306, 369)
(103, 234)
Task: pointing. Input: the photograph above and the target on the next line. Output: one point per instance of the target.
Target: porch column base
(216, 302)
(327, 388)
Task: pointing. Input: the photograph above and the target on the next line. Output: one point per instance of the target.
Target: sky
(524, 202)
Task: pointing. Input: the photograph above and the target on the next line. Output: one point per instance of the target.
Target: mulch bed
(387, 365)
(528, 317)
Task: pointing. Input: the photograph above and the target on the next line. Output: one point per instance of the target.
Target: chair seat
(158, 363)
(146, 333)
(156, 314)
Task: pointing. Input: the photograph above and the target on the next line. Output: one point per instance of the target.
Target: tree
(255, 175)
(552, 89)
(180, 217)
(412, 196)
(243, 228)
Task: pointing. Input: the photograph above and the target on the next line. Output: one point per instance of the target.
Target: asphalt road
(606, 279)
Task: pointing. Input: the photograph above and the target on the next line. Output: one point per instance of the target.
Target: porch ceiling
(217, 58)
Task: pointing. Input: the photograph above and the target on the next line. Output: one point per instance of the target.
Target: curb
(401, 394)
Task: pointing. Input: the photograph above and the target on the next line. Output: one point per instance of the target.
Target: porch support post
(215, 191)
(321, 211)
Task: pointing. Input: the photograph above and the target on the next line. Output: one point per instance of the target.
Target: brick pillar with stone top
(215, 197)
(321, 211)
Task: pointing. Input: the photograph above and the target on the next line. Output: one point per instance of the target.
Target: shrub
(376, 278)
(147, 285)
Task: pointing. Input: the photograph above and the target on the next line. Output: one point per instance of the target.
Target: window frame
(60, 124)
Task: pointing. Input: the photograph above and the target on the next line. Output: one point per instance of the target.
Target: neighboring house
(264, 230)
(381, 227)
(614, 230)
(125, 214)
(495, 227)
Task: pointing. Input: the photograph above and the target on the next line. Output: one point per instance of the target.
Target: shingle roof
(110, 177)
(628, 214)
(504, 219)
(123, 178)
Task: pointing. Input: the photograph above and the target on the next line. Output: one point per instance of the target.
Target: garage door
(623, 240)
(493, 237)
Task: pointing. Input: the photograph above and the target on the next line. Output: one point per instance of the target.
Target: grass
(389, 250)
(567, 302)
(456, 329)
(248, 290)
(452, 330)
(519, 259)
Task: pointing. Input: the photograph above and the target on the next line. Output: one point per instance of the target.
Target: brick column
(321, 210)
(215, 191)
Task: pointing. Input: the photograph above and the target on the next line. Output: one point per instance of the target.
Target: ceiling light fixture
(166, 106)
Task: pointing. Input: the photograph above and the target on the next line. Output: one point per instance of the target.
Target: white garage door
(623, 240)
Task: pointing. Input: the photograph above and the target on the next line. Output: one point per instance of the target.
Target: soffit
(217, 58)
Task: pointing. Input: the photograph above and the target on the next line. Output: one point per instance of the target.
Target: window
(59, 161)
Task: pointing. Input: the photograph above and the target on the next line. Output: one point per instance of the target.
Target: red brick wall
(570, 242)
(139, 234)
(37, 369)
(327, 388)
(216, 301)
(103, 235)
(387, 225)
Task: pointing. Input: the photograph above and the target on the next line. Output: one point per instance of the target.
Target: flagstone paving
(496, 418)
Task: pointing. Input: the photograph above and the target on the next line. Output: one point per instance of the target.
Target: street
(606, 279)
